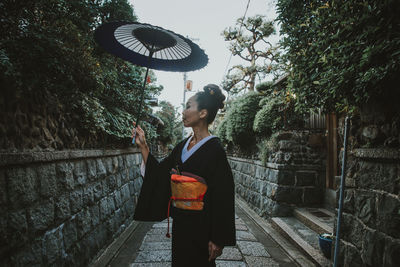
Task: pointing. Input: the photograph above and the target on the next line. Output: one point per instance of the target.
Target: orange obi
(188, 192)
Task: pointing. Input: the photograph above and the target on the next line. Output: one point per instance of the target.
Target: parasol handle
(141, 100)
(141, 104)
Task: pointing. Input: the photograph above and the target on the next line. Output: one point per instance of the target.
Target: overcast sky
(204, 20)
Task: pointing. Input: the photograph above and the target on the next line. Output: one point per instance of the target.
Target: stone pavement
(156, 249)
(148, 246)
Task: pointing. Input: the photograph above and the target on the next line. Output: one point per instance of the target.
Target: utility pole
(184, 101)
(184, 89)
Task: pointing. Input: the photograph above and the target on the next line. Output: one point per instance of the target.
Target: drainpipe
(341, 196)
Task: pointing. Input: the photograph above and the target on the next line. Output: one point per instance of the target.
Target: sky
(203, 21)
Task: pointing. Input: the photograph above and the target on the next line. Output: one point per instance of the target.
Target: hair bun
(215, 93)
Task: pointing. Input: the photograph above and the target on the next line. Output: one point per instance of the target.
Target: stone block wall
(371, 212)
(62, 208)
(293, 176)
(274, 189)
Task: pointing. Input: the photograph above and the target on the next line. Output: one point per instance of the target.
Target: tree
(252, 46)
(171, 131)
(48, 59)
(341, 53)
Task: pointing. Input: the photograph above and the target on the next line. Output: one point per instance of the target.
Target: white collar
(186, 154)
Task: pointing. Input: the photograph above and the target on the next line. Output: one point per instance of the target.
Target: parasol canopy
(136, 42)
(150, 46)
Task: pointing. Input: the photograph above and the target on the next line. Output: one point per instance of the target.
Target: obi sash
(187, 192)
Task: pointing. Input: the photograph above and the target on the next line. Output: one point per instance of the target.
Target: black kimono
(192, 230)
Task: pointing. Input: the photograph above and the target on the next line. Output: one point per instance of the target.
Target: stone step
(318, 219)
(303, 237)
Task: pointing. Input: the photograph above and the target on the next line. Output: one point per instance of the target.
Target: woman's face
(191, 116)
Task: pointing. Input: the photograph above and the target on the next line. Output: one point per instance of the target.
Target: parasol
(152, 47)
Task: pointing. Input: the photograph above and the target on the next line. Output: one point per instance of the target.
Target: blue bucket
(325, 244)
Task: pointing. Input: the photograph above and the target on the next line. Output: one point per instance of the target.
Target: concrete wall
(62, 208)
(294, 176)
(371, 218)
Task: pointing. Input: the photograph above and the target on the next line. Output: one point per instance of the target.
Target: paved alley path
(149, 247)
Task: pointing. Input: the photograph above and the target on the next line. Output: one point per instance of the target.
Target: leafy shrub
(93, 115)
(113, 121)
(240, 118)
(49, 58)
(221, 131)
(342, 53)
(269, 117)
(276, 113)
(267, 146)
(151, 132)
(266, 88)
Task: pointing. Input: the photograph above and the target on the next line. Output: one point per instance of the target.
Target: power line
(230, 57)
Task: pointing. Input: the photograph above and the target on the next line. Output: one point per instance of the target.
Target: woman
(204, 219)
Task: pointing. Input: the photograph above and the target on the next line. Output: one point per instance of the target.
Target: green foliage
(266, 88)
(269, 117)
(342, 53)
(94, 118)
(221, 130)
(252, 46)
(47, 48)
(277, 112)
(151, 132)
(267, 146)
(171, 132)
(240, 118)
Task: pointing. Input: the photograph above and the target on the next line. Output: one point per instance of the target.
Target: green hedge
(277, 113)
(238, 122)
(254, 116)
(221, 131)
(48, 57)
(342, 53)
(267, 146)
(268, 118)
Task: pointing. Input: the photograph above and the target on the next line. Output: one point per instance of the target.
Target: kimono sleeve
(154, 195)
(222, 204)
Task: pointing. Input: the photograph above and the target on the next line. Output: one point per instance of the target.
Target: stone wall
(62, 208)
(294, 176)
(371, 218)
(36, 125)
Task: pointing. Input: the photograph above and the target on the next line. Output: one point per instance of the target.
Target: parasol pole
(141, 99)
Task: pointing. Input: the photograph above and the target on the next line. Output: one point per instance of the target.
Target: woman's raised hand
(139, 135)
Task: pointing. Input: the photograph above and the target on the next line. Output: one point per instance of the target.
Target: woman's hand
(214, 251)
(140, 140)
(139, 135)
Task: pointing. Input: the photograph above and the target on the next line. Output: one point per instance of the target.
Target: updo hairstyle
(210, 99)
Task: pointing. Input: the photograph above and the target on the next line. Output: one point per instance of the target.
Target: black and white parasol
(136, 42)
(150, 46)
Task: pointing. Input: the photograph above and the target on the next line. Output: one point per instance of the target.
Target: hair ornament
(211, 92)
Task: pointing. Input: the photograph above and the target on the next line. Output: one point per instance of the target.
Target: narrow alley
(270, 125)
(258, 244)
